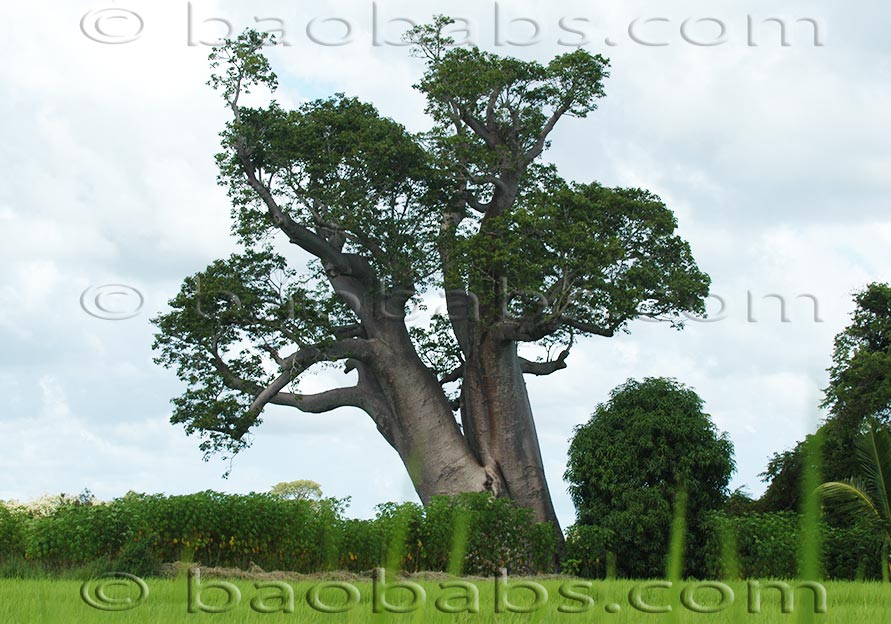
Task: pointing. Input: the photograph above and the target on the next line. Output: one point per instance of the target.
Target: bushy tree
(521, 257)
(630, 461)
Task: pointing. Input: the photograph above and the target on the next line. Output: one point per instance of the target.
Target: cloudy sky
(776, 159)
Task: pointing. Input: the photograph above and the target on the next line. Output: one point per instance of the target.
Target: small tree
(630, 460)
(302, 489)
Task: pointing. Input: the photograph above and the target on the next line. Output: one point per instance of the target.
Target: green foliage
(12, 532)
(248, 298)
(235, 530)
(343, 168)
(740, 502)
(141, 555)
(628, 463)
(767, 545)
(243, 66)
(604, 256)
(853, 552)
(79, 534)
(860, 376)
(587, 550)
(499, 535)
(868, 496)
(212, 528)
(493, 533)
(137, 533)
(516, 100)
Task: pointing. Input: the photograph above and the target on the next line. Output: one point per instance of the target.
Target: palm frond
(849, 496)
(874, 450)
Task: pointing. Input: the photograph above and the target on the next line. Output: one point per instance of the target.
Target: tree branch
(536, 150)
(475, 125)
(355, 330)
(455, 375)
(525, 329)
(589, 328)
(292, 366)
(544, 368)
(323, 401)
(299, 235)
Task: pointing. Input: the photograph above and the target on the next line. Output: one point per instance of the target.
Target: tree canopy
(467, 209)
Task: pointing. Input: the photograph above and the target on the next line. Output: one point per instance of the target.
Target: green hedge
(767, 545)
(470, 534)
(12, 533)
(466, 534)
(752, 545)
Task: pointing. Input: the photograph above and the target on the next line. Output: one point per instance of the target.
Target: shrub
(852, 553)
(587, 551)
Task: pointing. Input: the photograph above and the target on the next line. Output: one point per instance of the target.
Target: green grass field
(60, 601)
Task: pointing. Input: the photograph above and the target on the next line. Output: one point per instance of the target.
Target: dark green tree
(860, 375)
(629, 462)
(467, 209)
(859, 389)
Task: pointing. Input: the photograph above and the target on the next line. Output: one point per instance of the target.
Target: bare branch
(476, 204)
(526, 329)
(474, 124)
(545, 368)
(292, 366)
(323, 401)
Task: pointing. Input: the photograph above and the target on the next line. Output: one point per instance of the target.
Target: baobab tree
(466, 208)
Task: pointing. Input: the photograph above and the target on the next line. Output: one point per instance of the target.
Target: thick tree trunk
(495, 450)
(515, 441)
(499, 426)
(421, 426)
